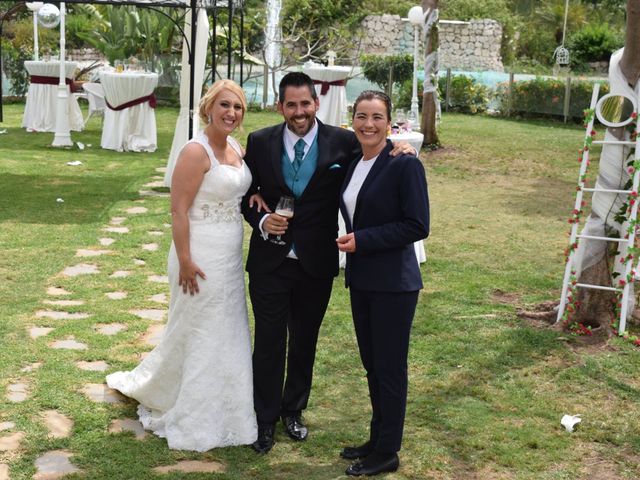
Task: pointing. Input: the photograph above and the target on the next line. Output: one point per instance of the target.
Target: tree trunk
(630, 62)
(596, 305)
(430, 95)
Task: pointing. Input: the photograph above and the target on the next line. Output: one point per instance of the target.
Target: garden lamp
(416, 18)
(34, 7)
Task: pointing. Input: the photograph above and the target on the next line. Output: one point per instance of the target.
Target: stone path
(59, 425)
(128, 425)
(54, 465)
(80, 269)
(192, 466)
(17, 392)
(4, 471)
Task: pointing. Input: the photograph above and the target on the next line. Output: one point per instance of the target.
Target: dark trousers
(382, 322)
(286, 301)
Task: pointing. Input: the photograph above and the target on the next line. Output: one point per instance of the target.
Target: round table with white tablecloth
(331, 87)
(129, 119)
(414, 138)
(42, 98)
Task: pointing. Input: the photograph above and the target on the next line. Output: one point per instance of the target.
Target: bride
(195, 388)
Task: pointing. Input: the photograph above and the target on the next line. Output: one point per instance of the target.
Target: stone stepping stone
(155, 233)
(192, 466)
(97, 366)
(117, 220)
(31, 367)
(59, 425)
(54, 465)
(157, 177)
(158, 278)
(37, 332)
(159, 298)
(116, 229)
(105, 242)
(69, 343)
(161, 169)
(6, 426)
(128, 425)
(153, 335)
(91, 253)
(150, 314)
(11, 442)
(136, 210)
(17, 392)
(110, 328)
(150, 247)
(139, 261)
(166, 225)
(152, 193)
(154, 184)
(100, 393)
(116, 295)
(120, 274)
(64, 303)
(80, 269)
(56, 315)
(4, 471)
(57, 291)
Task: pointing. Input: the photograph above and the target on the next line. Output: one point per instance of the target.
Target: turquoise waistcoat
(297, 182)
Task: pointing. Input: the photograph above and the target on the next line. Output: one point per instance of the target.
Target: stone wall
(471, 45)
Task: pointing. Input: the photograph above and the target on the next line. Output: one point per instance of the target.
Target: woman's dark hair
(373, 95)
(296, 79)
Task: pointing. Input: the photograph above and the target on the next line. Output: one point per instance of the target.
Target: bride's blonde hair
(214, 90)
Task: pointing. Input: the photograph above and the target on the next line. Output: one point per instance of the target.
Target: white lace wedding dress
(195, 388)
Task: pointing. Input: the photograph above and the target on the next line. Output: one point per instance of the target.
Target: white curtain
(181, 134)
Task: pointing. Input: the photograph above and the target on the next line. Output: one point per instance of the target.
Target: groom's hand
(275, 224)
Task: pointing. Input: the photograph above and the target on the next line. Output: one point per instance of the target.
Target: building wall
(473, 45)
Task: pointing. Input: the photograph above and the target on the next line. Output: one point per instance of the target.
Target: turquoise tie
(298, 149)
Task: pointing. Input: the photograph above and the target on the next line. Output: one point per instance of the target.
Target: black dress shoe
(265, 441)
(294, 427)
(374, 464)
(352, 453)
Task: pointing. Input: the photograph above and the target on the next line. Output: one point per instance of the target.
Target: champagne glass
(284, 209)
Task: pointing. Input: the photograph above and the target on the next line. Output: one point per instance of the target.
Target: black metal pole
(214, 41)
(229, 47)
(241, 46)
(192, 61)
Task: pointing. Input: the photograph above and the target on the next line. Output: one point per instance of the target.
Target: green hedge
(545, 97)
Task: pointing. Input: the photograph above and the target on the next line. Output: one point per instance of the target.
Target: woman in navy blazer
(385, 205)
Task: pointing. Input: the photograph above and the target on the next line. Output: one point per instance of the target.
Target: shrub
(465, 95)
(545, 97)
(596, 42)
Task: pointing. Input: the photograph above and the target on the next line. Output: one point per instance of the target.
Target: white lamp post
(416, 18)
(49, 16)
(34, 7)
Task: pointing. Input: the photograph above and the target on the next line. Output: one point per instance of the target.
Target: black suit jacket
(392, 212)
(314, 226)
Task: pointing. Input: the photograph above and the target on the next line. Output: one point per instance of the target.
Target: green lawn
(487, 390)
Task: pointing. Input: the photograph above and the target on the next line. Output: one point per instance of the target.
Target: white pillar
(34, 7)
(416, 18)
(62, 136)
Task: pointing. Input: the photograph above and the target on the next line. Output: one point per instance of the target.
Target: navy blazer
(314, 226)
(392, 212)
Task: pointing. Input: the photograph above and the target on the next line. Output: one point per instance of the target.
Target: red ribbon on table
(149, 98)
(325, 85)
(43, 80)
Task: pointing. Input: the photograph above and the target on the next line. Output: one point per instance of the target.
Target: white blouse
(350, 195)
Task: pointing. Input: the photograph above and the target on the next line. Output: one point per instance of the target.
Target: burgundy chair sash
(149, 98)
(325, 85)
(44, 80)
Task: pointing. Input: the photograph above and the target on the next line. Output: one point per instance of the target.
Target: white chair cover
(42, 100)
(134, 128)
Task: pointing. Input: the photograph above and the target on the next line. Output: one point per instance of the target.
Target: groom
(290, 284)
